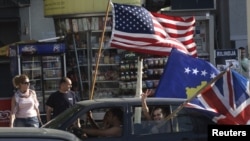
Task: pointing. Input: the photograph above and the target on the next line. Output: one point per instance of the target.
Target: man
(244, 62)
(60, 100)
(115, 120)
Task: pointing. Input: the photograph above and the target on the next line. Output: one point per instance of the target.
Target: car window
(62, 118)
(142, 125)
(191, 120)
(100, 123)
(186, 120)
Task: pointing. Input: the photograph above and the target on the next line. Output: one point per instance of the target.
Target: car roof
(32, 132)
(135, 100)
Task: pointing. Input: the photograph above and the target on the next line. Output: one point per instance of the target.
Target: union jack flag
(138, 30)
(227, 100)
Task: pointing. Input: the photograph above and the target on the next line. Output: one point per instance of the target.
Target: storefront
(6, 87)
(83, 23)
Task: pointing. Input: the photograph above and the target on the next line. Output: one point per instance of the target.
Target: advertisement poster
(39, 49)
(5, 108)
(4, 51)
(65, 7)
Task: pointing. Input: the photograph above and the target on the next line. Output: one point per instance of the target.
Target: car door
(98, 112)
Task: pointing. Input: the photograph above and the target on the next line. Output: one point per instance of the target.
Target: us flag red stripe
(179, 28)
(136, 29)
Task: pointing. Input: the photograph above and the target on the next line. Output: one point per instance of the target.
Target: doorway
(6, 87)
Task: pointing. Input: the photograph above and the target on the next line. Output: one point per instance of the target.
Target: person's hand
(84, 136)
(90, 116)
(145, 95)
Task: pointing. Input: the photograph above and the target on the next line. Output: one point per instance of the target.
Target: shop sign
(4, 51)
(68, 7)
(39, 49)
(224, 53)
(5, 108)
(225, 57)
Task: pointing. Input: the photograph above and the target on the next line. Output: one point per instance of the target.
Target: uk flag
(227, 100)
(223, 96)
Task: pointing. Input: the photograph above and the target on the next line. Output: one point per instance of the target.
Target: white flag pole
(139, 89)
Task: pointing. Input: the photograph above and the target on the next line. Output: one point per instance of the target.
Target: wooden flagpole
(99, 51)
(197, 93)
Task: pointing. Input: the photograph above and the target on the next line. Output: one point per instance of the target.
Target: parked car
(187, 124)
(35, 134)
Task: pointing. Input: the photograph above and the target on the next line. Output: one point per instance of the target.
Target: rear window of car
(186, 120)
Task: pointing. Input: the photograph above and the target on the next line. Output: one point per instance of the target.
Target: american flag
(227, 100)
(138, 30)
(179, 28)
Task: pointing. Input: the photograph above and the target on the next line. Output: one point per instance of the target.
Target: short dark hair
(63, 80)
(242, 48)
(164, 110)
(118, 113)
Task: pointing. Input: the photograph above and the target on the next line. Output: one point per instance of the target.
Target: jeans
(26, 122)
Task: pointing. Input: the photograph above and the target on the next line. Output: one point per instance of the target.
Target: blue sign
(41, 48)
(222, 53)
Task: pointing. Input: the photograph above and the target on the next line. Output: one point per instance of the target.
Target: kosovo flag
(184, 75)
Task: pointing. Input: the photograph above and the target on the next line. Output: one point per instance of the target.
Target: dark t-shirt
(61, 101)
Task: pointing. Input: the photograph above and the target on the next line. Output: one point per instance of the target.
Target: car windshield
(63, 117)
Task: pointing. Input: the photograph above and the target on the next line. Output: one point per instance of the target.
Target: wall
(34, 26)
(40, 27)
(238, 22)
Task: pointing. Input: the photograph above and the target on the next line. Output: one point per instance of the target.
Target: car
(187, 124)
(35, 134)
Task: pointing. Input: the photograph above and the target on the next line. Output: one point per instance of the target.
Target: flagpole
(197, 93)
(99, 51)
(139, 89)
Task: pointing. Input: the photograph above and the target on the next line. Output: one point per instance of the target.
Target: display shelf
(53, 78)
(84, 39)
(105, 81)
(34, 69)
(153, 67)
(128, 74)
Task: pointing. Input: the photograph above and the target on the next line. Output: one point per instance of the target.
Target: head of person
(14, 81)
(65, 84)
(242, 52)
(158, 114)
(114, 114)
(106, 116)
(21, 82)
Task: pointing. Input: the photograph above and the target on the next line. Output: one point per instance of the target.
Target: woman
(157, 116)
(24, 104)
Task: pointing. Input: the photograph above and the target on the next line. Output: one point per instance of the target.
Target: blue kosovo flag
(184, 75)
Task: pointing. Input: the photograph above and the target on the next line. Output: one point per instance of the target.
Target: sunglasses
(26, 83)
